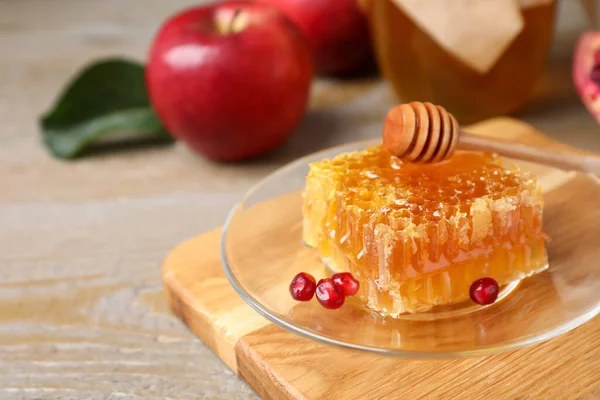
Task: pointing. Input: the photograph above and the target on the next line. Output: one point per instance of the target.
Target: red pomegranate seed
(484, 291)
(597, 57)
(329, 295)
(595, 75)
(303, 287)
(346, 282)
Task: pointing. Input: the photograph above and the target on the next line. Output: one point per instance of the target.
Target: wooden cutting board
(280, 365)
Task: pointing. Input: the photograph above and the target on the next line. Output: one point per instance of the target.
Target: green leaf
(106, 99)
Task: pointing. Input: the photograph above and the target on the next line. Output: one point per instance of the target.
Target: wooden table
(82, 310)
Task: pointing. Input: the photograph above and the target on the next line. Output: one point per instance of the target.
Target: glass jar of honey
(419, 69)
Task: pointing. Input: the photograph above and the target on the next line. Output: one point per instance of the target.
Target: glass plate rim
(257, 306)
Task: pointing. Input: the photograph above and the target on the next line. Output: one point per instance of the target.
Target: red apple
(231, 79)
(337, 32)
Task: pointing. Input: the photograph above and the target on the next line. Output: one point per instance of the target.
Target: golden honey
(417, 235)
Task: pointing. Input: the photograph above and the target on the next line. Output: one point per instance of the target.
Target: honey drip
(417, 236)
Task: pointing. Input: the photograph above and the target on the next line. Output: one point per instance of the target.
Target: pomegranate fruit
(586, 71)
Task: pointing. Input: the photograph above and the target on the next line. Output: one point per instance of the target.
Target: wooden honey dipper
(425, 133)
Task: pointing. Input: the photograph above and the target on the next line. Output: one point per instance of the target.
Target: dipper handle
(425, 133)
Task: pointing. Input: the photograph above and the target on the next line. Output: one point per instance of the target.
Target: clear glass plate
(262, 250)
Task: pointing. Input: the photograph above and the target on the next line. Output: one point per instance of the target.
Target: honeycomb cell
(417, 235)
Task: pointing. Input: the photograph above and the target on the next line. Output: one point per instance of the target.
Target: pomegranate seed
(595, 75)
(597, 57)
(303, 287)
(346, 282)
(329, 295)
(484, 291)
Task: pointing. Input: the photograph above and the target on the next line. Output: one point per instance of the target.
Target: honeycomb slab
(417, 235)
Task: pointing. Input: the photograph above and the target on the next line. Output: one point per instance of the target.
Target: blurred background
(46, 42)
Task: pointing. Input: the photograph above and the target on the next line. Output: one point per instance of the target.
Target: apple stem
(236, 13)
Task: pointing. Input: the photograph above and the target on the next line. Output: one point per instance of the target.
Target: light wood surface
(279, 364)
(82, 309)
